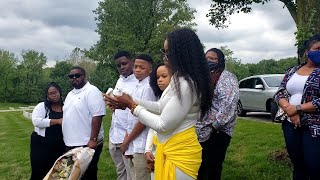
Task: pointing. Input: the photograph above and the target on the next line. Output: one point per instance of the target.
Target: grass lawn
(15, 131)
(246, 157)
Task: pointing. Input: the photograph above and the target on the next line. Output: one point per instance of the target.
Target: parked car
(256, 94)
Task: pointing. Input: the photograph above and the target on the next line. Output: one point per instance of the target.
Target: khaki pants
(138, 167)
(121, 162)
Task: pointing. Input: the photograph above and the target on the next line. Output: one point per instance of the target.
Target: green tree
(264, 66)
(137, 26)
(7, 68)
(59, 75)
(286, 63)
(305, 14)
(103, 78)
(234, 65)
(30, 82)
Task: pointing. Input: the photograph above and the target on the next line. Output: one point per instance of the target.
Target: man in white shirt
(119, 124)
(135, 141)
(83, 110)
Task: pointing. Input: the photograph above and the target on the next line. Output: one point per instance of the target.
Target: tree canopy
(305, 14)
(138, 26)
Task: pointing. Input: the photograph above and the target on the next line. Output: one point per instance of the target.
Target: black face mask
(212, 65)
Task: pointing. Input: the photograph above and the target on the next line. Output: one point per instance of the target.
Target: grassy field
(246, 157)
(15, 131)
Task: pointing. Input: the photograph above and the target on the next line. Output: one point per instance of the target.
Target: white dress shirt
(119, 123)
(142, 91)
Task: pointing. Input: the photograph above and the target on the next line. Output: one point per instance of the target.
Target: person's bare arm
(95, 128)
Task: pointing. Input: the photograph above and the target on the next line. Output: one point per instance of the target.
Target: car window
(258, 81)
(273, 81)
(250, 83)
(242, 84)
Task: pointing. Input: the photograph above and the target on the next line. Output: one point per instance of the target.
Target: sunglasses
(165, 55)
(71, 76)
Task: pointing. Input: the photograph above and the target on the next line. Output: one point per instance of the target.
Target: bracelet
(93, 139)
(133, 107)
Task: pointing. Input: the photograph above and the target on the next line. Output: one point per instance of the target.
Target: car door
(245, 88)
(257, 95)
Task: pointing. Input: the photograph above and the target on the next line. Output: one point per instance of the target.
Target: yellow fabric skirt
(182, 150)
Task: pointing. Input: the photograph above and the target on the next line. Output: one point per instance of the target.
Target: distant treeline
(23, 81)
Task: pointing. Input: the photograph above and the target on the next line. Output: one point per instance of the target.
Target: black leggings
(213, 154)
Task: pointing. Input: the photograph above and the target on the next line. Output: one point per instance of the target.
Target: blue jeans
(303, 150)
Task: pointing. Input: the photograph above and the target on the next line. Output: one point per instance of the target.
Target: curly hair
(187, 59)
(153, 81)
(216, 73)
(47, 103)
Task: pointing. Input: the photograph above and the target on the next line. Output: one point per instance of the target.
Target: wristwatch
(93, 139)
(298, 107)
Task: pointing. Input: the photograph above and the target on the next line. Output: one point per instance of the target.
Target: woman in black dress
(46, 140)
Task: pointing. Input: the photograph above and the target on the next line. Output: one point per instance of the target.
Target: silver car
(256, 94)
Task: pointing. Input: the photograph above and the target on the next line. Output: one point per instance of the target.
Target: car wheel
(273, 110)
(240, 110)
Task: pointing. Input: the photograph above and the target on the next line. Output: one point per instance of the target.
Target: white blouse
(170, 115)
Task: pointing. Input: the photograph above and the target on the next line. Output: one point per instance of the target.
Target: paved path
(9, 110)
(258, 116)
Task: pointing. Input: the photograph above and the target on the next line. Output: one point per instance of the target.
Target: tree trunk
(308, 23)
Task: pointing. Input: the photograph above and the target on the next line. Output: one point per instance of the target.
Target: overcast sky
(57, 27)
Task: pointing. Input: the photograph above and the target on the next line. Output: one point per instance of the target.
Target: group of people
(177, 119)
(63, 125)
(173, 121)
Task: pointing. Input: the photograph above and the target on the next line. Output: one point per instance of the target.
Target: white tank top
(295, 87)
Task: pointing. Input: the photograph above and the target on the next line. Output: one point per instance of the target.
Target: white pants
(120, 161)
